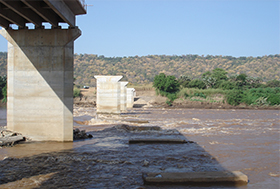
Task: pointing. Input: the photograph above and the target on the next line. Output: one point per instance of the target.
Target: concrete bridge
(40, 66)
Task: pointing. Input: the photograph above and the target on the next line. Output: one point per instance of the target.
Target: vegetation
(3, 63)
(166, 86)
(236, 89)
(192, 66)
(76, 92)
(3, 88)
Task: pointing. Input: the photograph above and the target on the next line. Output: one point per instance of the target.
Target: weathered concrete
(235, 177)
(130, 97)
(123, 96)
(40, 82)
(108, 94)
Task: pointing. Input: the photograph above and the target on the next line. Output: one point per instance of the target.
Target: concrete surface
(108, 94)
(123, 96)
(40, 82)
(196, 177)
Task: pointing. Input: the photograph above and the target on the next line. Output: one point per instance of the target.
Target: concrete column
(123, 96)
(40, 82)
(130, 97)
(108, 94)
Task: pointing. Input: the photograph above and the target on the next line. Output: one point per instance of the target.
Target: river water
(235, 140)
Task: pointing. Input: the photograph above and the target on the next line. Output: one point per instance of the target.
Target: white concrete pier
(40, 82)
(108, 94)
(123, 95)
(130, 97)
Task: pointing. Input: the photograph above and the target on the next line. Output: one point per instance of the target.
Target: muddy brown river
(235, 140)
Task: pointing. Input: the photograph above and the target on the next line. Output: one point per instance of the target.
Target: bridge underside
(20, 12)
(40, 67)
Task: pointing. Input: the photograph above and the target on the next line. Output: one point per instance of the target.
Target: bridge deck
(20, 12)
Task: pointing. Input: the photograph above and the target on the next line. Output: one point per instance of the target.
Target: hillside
(141, 70)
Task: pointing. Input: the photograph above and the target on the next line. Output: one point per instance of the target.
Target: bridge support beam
(40, 82)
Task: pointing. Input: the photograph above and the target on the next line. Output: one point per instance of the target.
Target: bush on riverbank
(234, 90)
(255, 96)
(166, 86)
(3, 88)
(76, 92)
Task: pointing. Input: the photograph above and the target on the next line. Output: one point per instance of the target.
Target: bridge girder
(20, 12)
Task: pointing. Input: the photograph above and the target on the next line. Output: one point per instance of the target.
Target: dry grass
(143, 87)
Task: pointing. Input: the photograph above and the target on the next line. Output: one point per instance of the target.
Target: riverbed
(235, 140)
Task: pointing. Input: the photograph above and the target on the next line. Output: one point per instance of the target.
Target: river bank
(148, 98)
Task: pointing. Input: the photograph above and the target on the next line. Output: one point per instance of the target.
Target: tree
(241, 80)
(227, 85)
(214, 79)
(184, 80)
(273, 83)
(166, 86)
(197, 83)
(159, 81)
(3, 84)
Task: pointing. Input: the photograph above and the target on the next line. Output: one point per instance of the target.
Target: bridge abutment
(40, 82)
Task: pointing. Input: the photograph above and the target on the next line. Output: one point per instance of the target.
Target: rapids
(236, 140)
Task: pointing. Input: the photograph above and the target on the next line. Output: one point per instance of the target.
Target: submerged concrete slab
(40, 82)
(123, 96)
(130, 97)
(108, 94)
(167, 140)
(235, 177)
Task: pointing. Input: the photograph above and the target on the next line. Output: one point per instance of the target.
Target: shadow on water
(106, 161)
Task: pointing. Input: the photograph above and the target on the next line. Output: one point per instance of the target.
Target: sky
(118, 28)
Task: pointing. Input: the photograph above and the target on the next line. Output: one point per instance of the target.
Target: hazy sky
(177, 27)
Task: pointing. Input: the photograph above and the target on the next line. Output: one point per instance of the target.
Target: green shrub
(184, 80)
(273, 83)
(257, 96)
(200, 95)
(166, 86)
(234, 97)
(186, 95)
(3, 84)
(197, 83)
(165, 83)
(4, 92)
(274, 99)
(227, 85)
(76, 92)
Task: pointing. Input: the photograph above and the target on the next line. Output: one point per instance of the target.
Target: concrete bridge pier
(40, 82)
(108, 94)
(130, 97)
(123, 95)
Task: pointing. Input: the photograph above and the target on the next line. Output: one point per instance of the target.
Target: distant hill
(141, 70)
